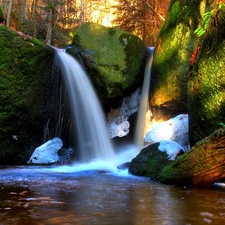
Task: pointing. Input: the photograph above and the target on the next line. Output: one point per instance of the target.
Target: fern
(222, 124)
(200, 31)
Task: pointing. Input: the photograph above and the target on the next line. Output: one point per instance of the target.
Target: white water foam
(111, 166)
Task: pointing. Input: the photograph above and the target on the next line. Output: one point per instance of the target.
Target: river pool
(40, 195)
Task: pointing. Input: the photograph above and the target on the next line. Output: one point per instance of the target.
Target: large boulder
(51, 152)
(153, 158)
(206, 84)
(175, 129)
(25, 94)
(114, 59)
(175, 45)
(203, 165)
(47, 153)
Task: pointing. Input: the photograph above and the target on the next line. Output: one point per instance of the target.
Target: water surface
(37, 195)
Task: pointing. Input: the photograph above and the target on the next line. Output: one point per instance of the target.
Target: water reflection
(96, 197)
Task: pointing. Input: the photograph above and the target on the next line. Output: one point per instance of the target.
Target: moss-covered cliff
(25, 80)
(207, 80)
(175, 45)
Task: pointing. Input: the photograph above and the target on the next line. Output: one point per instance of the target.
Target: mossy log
(203, 165)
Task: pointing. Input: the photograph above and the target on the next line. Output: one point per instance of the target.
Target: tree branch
(162, 18)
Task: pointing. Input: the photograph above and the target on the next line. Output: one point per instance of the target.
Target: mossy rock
(206, 86)
(175, 46)
(25, 81)
(149, 162)
(203, 165)
(114, 59)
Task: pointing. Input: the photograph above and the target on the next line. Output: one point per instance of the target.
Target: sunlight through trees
(55, 20)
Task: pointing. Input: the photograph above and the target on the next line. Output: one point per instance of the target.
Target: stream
(56, 195)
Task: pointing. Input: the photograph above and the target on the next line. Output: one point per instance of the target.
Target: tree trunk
(203, 165)
(49, 26)
(34, 17)
(9, 13)
(26, 9)
(22, 10)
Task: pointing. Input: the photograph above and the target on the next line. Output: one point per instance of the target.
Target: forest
(54, 21)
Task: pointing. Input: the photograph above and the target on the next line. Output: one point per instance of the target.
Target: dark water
(34, 195)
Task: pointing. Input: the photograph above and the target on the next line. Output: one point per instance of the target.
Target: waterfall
(91, 132)
(143, 107)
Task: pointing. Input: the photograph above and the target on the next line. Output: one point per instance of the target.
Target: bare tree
(22, 12)
(9, 13)
(34, 17)
(50, 7)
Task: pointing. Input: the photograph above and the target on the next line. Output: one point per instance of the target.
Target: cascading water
(92, 134)
(139, 132)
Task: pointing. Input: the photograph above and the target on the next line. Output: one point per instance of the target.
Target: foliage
(207, 18)
(200, 31)
(222, 124)
(1, 14)
(175, 12)
(141, 17)
(206, 81)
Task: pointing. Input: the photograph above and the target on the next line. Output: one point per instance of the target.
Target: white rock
(123, 129)
(172, 148)
(119, 130)
(129, 106)
(175, 129)
(118, 123)
(47, 153)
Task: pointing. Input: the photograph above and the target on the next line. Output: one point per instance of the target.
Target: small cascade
(92, 135)
(143, 107)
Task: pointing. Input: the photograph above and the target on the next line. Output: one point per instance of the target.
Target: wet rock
(153, 158)
(174, 48)
(26, 94)
(114, 59)
(66, 156)
(47, 153)
(118, 123)
(206, 89)
(175, 129)
(124, 166)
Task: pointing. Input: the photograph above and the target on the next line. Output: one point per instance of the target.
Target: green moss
(100, 38)
(176, 44)
(174, 13)
(189, 168)
(24, 68)
(1, 14)
(112, 31)
(132, 47)
(35, 41)
(182, 12)
(206, 84)
(149, 162)
(115, 57)
(176, 172)
(171, 64)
